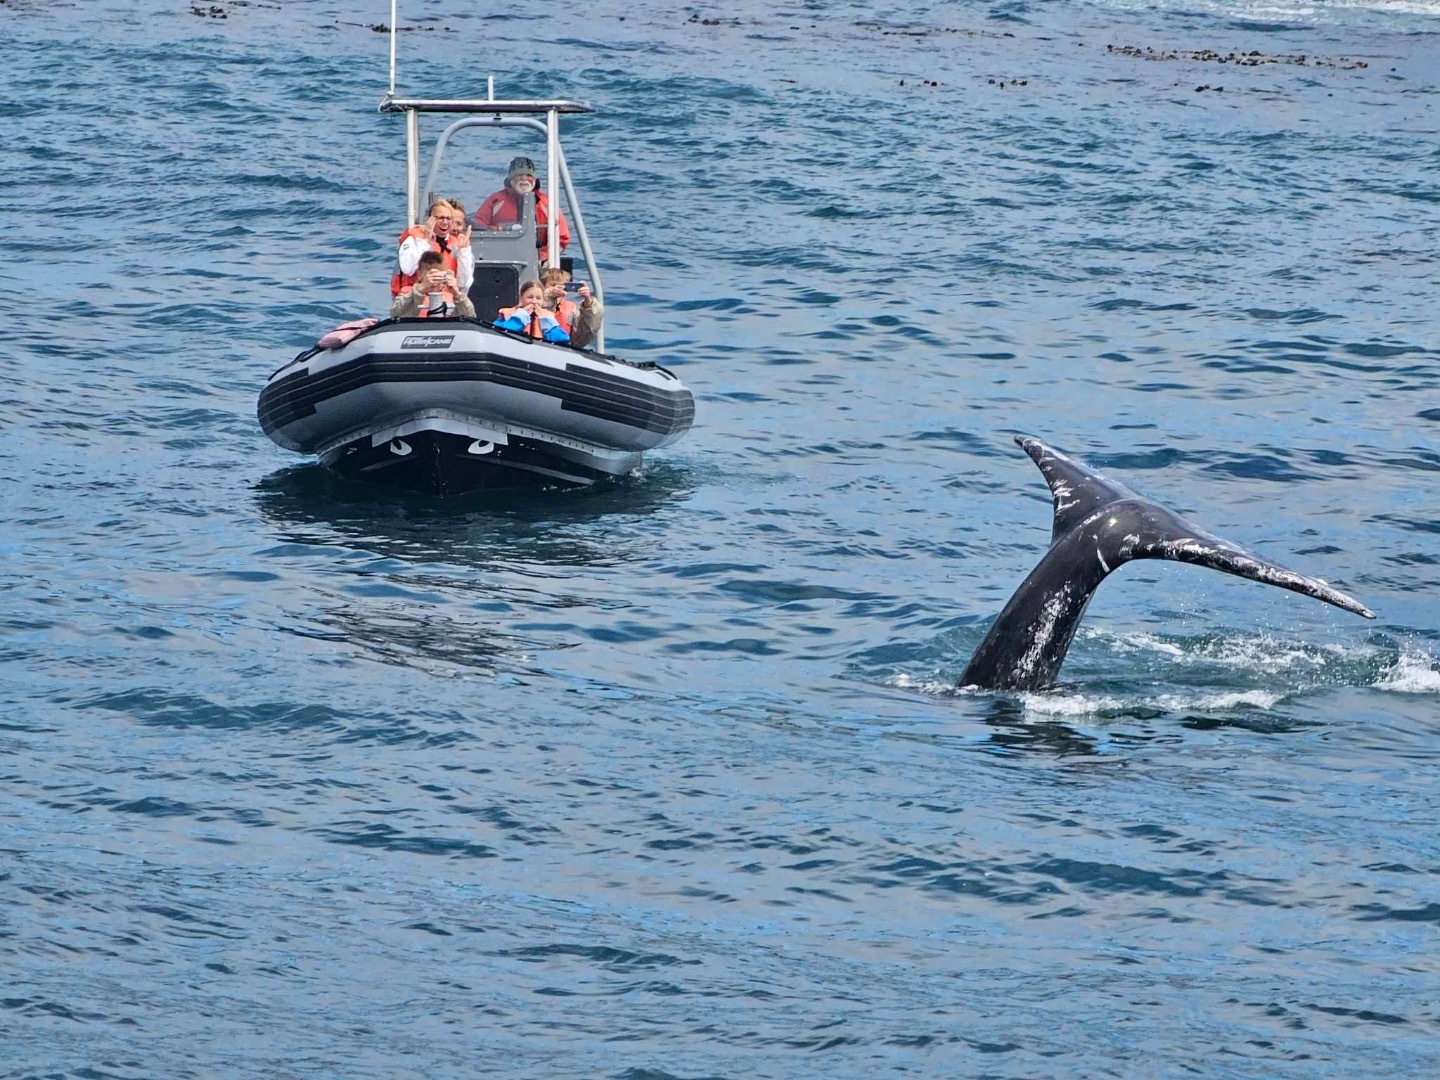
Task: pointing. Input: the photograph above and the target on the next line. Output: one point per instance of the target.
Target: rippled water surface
(668, 779)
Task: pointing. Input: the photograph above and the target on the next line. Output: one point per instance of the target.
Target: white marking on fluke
(1026, 644)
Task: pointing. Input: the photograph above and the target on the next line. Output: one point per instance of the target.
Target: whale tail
(1099, 526)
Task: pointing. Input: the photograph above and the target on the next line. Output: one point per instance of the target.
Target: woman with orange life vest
(503, 207)
(434, 295)
(581, 321)
(437, 234)
(531, 316)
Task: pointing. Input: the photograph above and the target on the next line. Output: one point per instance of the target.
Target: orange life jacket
(565, 313)
(533, 328)
(400, 281)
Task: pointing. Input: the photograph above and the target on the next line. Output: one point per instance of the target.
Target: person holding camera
(503, 207)
(442, 233)
(435, 294)
(581, 320)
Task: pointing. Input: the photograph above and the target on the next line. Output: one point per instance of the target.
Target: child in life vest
(531, 316)
(435, 294)
(580, 320)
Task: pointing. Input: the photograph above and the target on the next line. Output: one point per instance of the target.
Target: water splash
(1415, 672)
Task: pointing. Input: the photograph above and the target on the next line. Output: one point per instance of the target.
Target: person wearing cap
(503, 208)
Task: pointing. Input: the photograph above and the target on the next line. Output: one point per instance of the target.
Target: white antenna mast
(392, 46)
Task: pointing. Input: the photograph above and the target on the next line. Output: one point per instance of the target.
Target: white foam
(1257, 653)
(1138, 641)
(1401, 7)
(1295, 11)
(1260, 653)
(1305, 668)
(1255, 699)
(1414, 672)
(921, 686)
(1051, 705)
(1044, 706)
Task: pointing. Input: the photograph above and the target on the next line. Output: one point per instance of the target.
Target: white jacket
(415, 246)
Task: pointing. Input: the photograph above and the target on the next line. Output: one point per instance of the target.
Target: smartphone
(572, 286)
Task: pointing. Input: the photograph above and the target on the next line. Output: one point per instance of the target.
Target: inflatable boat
(447, 406)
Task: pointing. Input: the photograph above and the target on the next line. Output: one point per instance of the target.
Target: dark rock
(1254, 58)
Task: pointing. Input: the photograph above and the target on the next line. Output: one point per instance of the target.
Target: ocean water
(668, 779)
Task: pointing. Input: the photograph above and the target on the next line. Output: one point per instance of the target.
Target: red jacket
(503, 208)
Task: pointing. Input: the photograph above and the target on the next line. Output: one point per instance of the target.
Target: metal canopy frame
(495, 113)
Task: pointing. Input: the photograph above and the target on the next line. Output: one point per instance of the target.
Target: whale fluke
(1099, 526)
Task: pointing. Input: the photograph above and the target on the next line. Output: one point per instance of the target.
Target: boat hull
(452, 406)
(430, 459)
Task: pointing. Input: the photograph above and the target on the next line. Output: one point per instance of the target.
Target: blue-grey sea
(668, 779)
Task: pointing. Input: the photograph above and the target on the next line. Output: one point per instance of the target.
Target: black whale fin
(1099, 526)
(1077, 491)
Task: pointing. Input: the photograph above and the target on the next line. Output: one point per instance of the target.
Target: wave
(1206, 674)
(1415, 672)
